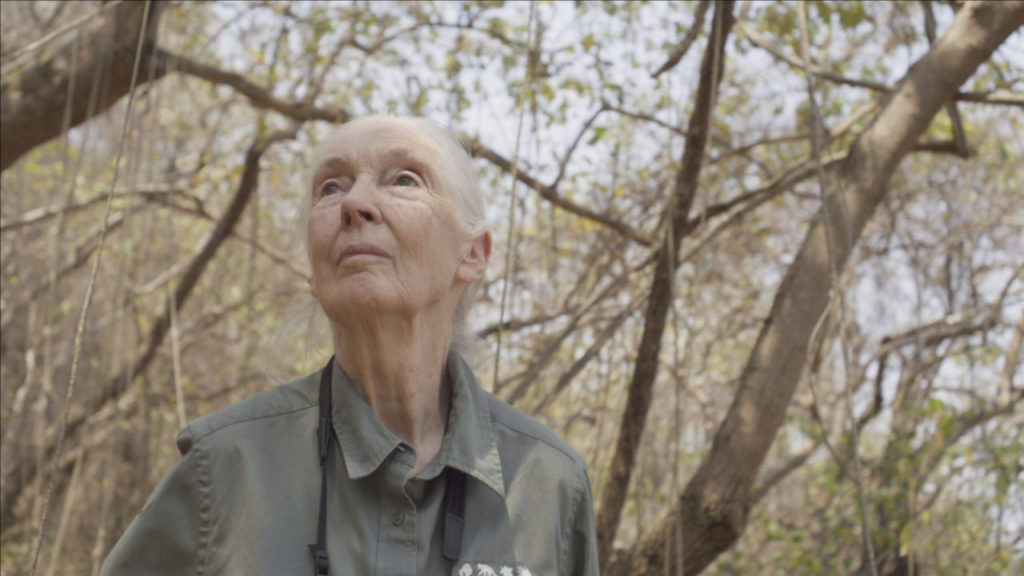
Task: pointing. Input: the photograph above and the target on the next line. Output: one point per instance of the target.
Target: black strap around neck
(454, 495)
(324, 433)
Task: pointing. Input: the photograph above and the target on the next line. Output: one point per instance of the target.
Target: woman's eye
(330, 188)
(406, 179)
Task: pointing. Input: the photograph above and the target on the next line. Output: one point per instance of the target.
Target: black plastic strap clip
(321, 563)
(454, 513)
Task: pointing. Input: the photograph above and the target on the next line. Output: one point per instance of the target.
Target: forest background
(760, 263)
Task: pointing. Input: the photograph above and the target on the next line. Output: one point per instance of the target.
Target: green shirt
(244, 498)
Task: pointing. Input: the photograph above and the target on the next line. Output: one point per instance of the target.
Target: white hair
(455, 174)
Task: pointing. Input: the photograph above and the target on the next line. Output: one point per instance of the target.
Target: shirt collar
(365, 440)
(469, 444)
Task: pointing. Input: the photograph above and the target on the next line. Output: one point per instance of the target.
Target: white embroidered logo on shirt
(486, 570)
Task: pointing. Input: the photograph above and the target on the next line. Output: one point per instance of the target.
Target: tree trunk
(33, 98)
(638, 400)
(712, 511)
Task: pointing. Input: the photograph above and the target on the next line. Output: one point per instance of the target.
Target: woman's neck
(397, 363)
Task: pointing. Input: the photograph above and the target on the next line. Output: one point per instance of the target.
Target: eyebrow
(405, 156)
(331, 165)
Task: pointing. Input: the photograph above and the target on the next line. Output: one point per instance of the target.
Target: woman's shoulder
(512, 425)
(516, 431)
(262, 408)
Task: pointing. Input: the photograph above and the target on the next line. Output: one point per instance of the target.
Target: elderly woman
(392, 459)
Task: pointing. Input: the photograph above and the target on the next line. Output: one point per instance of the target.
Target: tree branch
(518, 324)
(996, 98)
(552, 346)
(476, 148)
(959, 134)
(43, 213)
(688, 40)
(563, 381)
(257, 95)
(785, 469)
(640, 394)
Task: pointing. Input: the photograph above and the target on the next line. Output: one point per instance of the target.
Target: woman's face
(383, 232)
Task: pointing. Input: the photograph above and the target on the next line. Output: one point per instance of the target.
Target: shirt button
(397, 518)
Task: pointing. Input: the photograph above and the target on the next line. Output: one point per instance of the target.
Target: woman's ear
(474, 263)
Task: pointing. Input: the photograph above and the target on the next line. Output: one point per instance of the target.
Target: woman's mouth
(362, 250)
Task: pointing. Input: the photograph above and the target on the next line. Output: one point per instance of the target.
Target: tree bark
(33, 99)
(638, 400)
(712, 510)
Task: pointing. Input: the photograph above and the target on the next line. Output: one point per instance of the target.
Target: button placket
(397, 546)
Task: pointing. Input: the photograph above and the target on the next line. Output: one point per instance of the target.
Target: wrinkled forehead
(378, 140)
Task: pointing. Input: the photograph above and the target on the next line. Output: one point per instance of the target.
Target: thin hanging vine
(76, 355)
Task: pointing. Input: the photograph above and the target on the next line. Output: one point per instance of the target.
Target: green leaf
(588, 42)
(851, 14)
(906, 538)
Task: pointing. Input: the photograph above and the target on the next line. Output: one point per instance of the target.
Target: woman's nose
(359, 206)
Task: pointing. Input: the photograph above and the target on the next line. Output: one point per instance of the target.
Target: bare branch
(959, 135)
(995, 98)
(550, 194)
(609, 330)
(552, 346)
(572, 147)
(742, 150)
(258, 96)
(779, 474)
(511, 325)
(688, 40)
(643, 117)
(43, 213)
(490, 31)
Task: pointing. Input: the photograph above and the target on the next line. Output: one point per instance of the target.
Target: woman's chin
(362, 304)
(357, 302)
